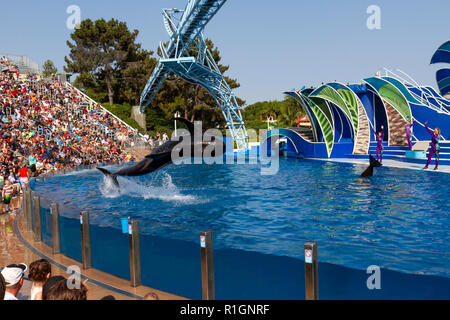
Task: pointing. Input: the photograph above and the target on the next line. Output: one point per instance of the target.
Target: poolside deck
(394, 164)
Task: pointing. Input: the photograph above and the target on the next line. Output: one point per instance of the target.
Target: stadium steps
(305, 133)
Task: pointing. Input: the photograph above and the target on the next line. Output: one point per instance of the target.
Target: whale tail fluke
(374, 163)
(110, 175)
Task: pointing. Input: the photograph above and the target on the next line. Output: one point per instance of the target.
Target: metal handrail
(70, 86)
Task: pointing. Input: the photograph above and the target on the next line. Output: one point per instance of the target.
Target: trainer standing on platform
(435, 148)
(409, 133)
(380, 139)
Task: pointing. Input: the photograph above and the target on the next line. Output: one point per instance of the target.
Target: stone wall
(139, 117)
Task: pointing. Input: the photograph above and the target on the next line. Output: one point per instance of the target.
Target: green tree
(285, 112)
(290, 110)
(100, 50)
(136, 74)
(49, 68)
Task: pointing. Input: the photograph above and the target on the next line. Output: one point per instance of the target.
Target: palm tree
(289, 114)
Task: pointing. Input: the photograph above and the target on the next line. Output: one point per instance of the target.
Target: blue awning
(443, 80)
(442, 55)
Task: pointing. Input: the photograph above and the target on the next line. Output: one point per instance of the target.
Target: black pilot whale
(162, 156)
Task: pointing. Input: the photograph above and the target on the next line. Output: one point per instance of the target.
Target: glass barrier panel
(248, 268)
(110, 249)
(6, 232)
(32, 210)
(171, 264)
(46, 221)
(69, 226)
(373, 272)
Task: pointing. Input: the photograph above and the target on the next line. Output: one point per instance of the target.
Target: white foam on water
(160, 187)
(78, 173)
(108, 189)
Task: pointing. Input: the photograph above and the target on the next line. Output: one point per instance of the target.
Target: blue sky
(271, 46)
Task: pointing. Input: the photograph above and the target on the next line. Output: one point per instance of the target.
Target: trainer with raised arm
(435, 148)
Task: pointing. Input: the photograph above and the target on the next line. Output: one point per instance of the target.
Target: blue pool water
(398, 219)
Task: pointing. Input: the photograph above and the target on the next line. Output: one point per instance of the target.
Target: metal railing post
(56, 239)
(37, 219)
(206, 247)
(135, 257)
(311, 271)
(24, 205)
(85, 240)
(29, 218)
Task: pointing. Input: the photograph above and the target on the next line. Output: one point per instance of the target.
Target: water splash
(160, 187)
(108, 189)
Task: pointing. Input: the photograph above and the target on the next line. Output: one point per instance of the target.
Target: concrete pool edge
(388, 164)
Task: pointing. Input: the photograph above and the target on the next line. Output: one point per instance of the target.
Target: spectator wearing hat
(13, 275)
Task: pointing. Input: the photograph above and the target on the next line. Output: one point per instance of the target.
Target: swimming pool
(398, 219)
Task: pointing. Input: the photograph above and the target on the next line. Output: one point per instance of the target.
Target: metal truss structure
(187, 56)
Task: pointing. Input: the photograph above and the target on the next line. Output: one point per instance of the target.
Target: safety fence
(203, 264)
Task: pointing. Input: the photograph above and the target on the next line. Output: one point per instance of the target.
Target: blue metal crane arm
(196, 15)
(198, 18)
(186, 37)
(155, 83)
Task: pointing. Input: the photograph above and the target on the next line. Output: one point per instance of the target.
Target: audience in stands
(45, 127)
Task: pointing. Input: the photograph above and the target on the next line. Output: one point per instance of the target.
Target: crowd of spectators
(45, 285)
(157, 141)
(44, 127)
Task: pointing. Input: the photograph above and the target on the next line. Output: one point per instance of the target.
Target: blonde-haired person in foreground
(151, 296)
